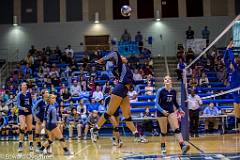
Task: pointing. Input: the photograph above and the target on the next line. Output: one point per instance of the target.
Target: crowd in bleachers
(80, 84)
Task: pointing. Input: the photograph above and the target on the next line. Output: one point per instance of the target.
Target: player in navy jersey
(167, 106)
(119, 96)
(53, 131)
(38, 112)
(24, 104)
(233, 70)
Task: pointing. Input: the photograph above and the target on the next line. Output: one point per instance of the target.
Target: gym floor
(205, 147)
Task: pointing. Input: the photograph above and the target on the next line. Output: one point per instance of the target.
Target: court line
(84, 148)
(200, 150)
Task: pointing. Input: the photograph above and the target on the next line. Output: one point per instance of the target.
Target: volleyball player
(233, 69)
(165, 102)
(118, 97)
(38, 112)
(24, 103)
(52, 128)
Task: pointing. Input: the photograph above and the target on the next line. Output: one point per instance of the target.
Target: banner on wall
(197, 45)
(236, 34)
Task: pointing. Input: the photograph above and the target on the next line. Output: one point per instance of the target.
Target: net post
(185, 119)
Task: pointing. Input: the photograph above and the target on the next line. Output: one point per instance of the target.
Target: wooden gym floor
(204, 147)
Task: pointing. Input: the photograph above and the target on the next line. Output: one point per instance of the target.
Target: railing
(4, 72)
(166, 65)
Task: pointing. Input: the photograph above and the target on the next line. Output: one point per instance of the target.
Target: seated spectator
(101, 107)
(74, 120)
(137, 76)
(91, 85)
(62, 88)
(147, 70)
(180, 53)
(211, 110)
(189, 55)
(97, 95)
(132, 94)
(92, 106)
(203, 82)
(149, 88)
(106, 88)
(91, 122)
(53, 90)
(69, 51)
(45, 69)
(40, 74)
(66, 96)
(84, 94)
(75, 89)
(193, 83)
(28, 71)
(82, 109)
(180, 67)
(83, 83)
(189, 72)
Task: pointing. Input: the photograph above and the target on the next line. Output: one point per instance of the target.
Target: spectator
(66, 96)
(101, 107)
(75, 121)
(189, 72)
(139, 39)
(91, 122)
(83, 83)
(180, 67)
(106, 89)
(69, 51)
(82, 109)
(29, 60)
(75, 89)
(193, 83)
(147, 112)
(91, 85)
(203, 82)
(32, 50)
(92, 106)
(180, 53)
(45, 69)
(137, 76)
(126, 37)
(189, 55)
(149, 88)
(132, 94)
(205, 34)
(62, 88)
(190, 33)
(98, 95)
(209, 111)
(194, 102)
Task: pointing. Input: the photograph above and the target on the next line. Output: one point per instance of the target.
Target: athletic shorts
(120, 90)
(20, 112)
(40, 117)
(160, 114)
(51, 126)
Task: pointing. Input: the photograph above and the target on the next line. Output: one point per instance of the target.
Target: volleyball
(126, 10)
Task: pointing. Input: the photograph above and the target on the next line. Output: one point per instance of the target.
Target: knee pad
(30, 132)
(106, 116)
(116, 129)
(22, 131)
(62, 140)
(128, 119)
(177, 131)
(163, 134)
